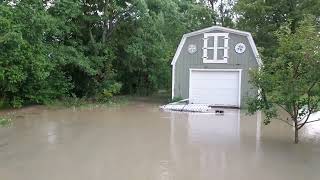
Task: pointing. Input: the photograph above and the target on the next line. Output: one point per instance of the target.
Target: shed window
(217, 50)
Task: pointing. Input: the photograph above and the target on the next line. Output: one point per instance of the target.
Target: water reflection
(312, 130)
(211, 128)
(52, 133)
(237, 146)
(138, 142)
(214, 137)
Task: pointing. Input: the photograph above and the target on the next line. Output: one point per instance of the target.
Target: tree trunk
(295, 120)
(296, 131)
(296, 135)
(93, 41)
(105, 22)
(221, 13)
(296, 128)
(104, 34)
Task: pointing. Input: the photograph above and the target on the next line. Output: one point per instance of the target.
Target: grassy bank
(88, 103)
(85, 103)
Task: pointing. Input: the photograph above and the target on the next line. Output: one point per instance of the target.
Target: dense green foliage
(263, 18)
(90, 48)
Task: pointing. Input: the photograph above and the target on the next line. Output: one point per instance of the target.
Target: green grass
(82, 103)
(85, 103)
(176, 99)
(5, 122)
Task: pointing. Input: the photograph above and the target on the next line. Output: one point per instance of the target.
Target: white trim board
(219, 28)
(218, 70)
(173, 81)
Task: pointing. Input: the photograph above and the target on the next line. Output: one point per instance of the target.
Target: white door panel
(219, 88)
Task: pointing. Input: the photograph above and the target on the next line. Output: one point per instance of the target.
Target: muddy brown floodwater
(139, 142)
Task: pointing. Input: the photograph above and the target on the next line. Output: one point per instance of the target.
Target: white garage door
(215, 87)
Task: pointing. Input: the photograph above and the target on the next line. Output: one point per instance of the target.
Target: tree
(145, 45)
(223, 9)
(291, 80)
(27, 72)
(87, 29)
(264, 17)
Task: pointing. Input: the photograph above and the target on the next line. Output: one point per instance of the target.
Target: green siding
(185, 61)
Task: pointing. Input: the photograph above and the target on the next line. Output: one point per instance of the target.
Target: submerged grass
(5, 122)
(83, 103)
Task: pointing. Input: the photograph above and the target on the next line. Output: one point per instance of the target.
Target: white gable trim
(176, 55)
(219, 28)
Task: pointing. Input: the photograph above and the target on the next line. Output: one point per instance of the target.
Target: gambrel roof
(219, 28)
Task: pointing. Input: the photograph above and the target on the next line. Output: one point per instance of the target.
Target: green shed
(211, 66)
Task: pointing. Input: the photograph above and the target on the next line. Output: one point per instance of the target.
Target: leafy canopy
(291, 80)
(90, 48)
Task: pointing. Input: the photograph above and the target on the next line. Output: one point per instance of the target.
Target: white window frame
(215, 48)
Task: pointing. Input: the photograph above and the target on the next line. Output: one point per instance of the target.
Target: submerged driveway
(139, 142)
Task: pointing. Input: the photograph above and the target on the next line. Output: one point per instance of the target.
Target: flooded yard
(139, 142)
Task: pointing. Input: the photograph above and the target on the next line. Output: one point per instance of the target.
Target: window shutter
(205, 49)
(226, 47)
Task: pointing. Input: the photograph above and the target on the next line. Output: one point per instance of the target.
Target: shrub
(5, 122)
(109, 91)
(176, 99)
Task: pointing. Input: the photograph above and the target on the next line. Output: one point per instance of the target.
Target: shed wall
(244, 61)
